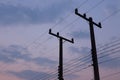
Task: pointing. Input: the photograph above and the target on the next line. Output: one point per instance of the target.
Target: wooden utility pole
(60, 67)
(93, 43)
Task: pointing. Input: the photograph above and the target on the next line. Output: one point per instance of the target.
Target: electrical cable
(93, 7)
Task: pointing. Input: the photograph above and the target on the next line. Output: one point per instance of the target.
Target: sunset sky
(29, 52)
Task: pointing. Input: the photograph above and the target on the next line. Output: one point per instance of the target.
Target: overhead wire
(105, 61)
(113, 45)
(109, 52)
(64, 69)
(112, 58)
(87, 11)
(108, 60)
(51, 27)
(56, 24)
(93, 7)
(107, 45)
(81, 65)
(66, 26)
(109, 16)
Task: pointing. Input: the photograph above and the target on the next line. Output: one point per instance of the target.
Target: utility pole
(60, 67)
(93, 43)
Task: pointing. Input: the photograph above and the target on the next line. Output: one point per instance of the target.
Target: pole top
(58, 36)
(88, 19)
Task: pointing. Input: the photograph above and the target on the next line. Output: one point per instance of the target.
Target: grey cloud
(80, 34)
(30, 75)
(11, 14)
(112, 7)
(13, 52)
(75, 50)
(85, 50)
(71, 76)
(6, 59)
(44, 61)
(82, 50)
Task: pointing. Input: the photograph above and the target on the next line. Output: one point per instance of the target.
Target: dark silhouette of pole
(60, 67)
(93, 43)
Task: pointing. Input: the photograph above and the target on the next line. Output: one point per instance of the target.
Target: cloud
(44, 61)
(71, 76)
(11, 53)
(111, 7)
(30, 75)
(80, 34)
(13, 14)
(82, 50)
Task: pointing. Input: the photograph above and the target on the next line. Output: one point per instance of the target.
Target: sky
(29, 52)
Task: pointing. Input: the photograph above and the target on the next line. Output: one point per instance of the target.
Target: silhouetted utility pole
(93, 44)
(60, 67)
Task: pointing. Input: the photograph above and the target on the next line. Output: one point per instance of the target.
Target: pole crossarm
(88, 19)
(57, 35)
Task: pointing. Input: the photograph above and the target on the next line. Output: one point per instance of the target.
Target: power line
(104, 49)
(55, 25)
(56, 73)
(104, 61)
(108, 52)
(93, 7)
(109, 16)
(65, 18)
(109, 44)
(108, 60)
(66, 68)
(82, 4)
(78, 62)
(99, 63)
(88, 11)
